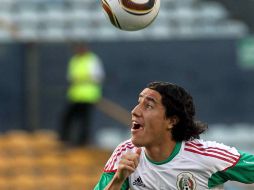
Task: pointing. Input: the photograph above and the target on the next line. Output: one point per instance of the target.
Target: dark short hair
(178, 102)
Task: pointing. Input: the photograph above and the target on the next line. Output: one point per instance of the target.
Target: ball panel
(137, 8)
(131, 15)
(110, 14)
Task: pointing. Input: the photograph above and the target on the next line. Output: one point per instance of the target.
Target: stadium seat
(37, 160)
(61, 20)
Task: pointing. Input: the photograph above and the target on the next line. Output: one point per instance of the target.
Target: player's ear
(172, 121)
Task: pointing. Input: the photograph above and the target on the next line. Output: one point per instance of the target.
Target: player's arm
(127, 165)
(243, 171)
(119, 180)
(106, 178)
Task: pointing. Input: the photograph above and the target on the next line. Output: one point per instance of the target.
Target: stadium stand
(61, 20)
(30, 161)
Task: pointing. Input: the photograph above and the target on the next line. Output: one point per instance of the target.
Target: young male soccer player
(165, 152)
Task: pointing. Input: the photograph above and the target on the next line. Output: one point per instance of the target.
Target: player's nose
(136, 111)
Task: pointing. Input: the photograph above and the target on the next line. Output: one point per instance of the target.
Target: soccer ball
(131, 15)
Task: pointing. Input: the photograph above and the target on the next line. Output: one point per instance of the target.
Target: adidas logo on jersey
(138, 182)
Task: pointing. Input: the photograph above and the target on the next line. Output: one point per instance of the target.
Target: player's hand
(128, 164)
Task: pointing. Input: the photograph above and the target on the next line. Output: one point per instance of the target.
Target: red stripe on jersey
(210, 155)
(109, 171)
(221, 152)
(233, 164)
(201, 145)
(116, 152)
(117, 155)
(110, 166)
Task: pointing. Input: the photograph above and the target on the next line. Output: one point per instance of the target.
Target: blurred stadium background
(207, 46)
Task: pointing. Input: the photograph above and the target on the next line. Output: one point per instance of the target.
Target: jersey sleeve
(243, 171)
(112, 165)
(106, 178)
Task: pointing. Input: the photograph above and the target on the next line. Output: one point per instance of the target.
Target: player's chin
(136, 142)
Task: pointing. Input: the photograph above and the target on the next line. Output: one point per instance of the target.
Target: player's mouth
(136, 127)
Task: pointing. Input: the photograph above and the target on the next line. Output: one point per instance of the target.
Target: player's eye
(149, 106)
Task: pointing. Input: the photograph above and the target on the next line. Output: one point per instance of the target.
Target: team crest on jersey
(186, 181)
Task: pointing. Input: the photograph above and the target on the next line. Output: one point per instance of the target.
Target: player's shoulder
(205, 146)
(126, 145)
(212, 150)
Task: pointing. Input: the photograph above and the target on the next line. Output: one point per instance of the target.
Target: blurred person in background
(85, 76)
(165, 151)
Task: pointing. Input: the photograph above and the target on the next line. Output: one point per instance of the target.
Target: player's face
(149, 123)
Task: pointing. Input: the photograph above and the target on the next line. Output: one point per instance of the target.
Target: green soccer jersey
(193, 165)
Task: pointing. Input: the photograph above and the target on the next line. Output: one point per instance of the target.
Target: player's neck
(159, 153)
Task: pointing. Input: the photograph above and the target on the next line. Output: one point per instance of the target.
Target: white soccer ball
(131, 15)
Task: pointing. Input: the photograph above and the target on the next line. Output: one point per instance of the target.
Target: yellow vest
(83, 89)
